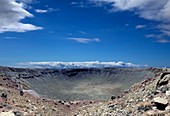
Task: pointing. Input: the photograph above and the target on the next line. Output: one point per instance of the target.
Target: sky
(135, 31)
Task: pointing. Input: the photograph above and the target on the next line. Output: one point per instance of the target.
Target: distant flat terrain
(79, 84)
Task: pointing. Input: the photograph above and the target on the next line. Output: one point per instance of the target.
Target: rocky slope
(148, 98)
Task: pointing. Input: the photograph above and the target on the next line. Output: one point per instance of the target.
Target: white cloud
(140, 26)
(11, 14)
(73, 3)
(45, 10)
(158, 10)
(150, 36)
(84, 40)
(10, 38)
(166, 32)
(127, 24)
(41, 11)
(160, 38)
(92, 64)
(26, 1)
(163, 41)
(165, 29)
(82, 32)
(80, 4)
(148, 9)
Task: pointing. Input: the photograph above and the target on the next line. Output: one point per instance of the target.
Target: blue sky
(85, 30)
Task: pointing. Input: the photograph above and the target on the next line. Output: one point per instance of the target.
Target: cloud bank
(158, 11)
(61, 65)
(11, 14)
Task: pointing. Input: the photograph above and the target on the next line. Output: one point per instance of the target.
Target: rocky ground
(148, 98)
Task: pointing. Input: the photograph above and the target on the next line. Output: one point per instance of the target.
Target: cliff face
(79, 84)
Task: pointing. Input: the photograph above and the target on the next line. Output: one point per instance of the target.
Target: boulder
(17, 113)
(168, 93)
(167, 108)
(113, 97)
(4, 95)
(160, 100)
(10, 113)
(21, 92)
(160, 103)
(150, 113)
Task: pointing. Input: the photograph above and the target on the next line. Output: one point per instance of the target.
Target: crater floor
(80, 84)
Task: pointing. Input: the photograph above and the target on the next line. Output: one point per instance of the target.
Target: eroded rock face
(164, 79)
(162, 88)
